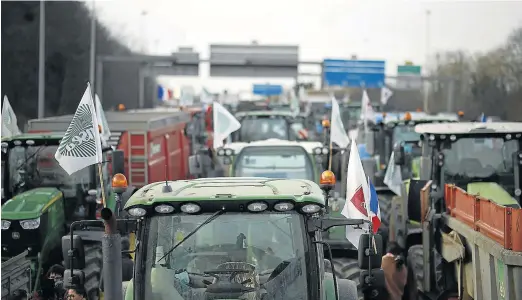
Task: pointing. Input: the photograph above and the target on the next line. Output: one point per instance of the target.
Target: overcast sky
(392, 30)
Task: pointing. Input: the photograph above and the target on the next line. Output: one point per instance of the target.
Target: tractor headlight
(30, 224)
(229, 152)
(321, 151)
(311, 208)
(6, 224)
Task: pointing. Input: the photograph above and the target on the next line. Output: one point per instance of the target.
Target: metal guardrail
(16, 274)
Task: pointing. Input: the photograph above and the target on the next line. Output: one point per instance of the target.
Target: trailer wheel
(348, 268)
(93, 269)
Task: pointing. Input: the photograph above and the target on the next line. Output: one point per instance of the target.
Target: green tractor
(42, 201)
(232, 238)
(476, 157)
(454, 221)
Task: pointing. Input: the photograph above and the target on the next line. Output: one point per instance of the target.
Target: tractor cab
(471, 199)
(42, 201)
(481, 158)
(235, 238)
(275, 159)
(397, 130)
(262, 125)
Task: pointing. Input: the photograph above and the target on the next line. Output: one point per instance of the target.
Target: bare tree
(489, 82)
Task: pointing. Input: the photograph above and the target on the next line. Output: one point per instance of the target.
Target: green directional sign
(408, 70)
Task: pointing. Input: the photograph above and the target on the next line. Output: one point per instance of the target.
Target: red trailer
(153, 141)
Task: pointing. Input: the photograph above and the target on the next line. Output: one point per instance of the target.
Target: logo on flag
(79, 139)
(81, 145)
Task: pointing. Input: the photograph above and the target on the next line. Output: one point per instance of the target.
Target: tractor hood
(31, 204)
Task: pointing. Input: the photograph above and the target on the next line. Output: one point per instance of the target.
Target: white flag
(357, 195)
(366, 107)
(224, 124)
(9, 120)
(206, 97)
(386, 94)
(102, 121)
(81, 145)
(337, 132)
(393, 176)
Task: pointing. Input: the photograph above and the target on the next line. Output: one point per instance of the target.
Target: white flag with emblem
(102, 121)
(386, 94)
(224, 124)
(9, 121)
(81, 145)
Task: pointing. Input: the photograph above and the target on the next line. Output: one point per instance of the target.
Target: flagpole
(330, 159)
(100, 173)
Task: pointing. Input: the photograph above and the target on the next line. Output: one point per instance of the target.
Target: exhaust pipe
(111, 247)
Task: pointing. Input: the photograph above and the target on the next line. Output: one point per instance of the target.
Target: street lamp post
(427, 54)
(41, 62)
(92, 62)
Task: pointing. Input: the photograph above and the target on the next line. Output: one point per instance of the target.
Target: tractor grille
(16, 240)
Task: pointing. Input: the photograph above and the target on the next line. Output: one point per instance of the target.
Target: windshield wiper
(29, 158)
(210, 219)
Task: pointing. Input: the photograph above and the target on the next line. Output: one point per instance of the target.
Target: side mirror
(366, 250)
(76, 250)
(370, 142)
(118, 162)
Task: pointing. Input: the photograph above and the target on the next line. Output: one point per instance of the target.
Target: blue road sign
(354, 73)
(267, 89)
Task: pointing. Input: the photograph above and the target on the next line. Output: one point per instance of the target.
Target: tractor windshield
(237, 256)
(257, 129)
(480, 160)
(405, 133)
(35, 166)
(274, 162)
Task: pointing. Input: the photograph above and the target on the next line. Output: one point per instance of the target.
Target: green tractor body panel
(31, 204)
(492, 191)
(248, 188)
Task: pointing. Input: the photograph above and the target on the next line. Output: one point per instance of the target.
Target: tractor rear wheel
(348, 268)
(93, 269)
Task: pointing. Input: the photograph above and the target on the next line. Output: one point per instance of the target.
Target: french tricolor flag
(361, 198)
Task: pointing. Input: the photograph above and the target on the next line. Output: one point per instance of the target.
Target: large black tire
(348, 268)
(93, 269)
(415, 264)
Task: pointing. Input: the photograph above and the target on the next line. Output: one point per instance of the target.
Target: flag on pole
(105, 133)
(386, 94)
(393, 176)
(81, 145)
(9, 120)
(294, 103)
(374, 211)
(357, 192)
(337, 132)
(367, 112)
(206, 97)
(224, 124)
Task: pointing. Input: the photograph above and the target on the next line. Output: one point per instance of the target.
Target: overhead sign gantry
(254, 61)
